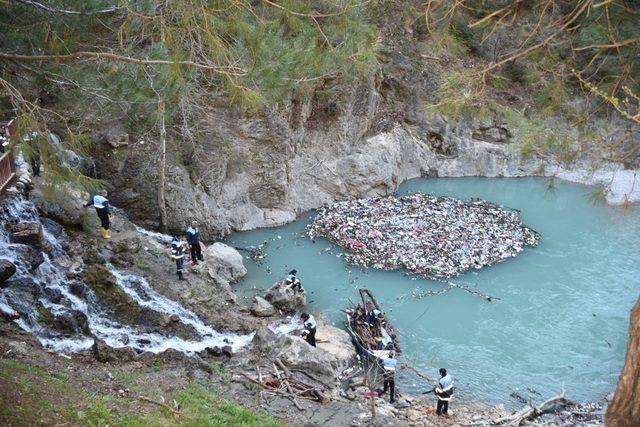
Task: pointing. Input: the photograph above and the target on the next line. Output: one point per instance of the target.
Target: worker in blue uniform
(103, 209)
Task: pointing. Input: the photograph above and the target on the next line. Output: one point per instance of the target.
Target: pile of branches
(282, 382)
(559, 408)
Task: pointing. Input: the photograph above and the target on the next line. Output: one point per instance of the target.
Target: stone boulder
(262, 308)
(22, 295)
(73, 322)
(224, 264)
(326, 360)
(27, 233)
(265, 339)
(103, 353)
(128, 245)
(284, 298)
(296, 353)
(28, 257)
(52, 227)
(116, 137)
(66, 206)
(7, 269)
(624, 410)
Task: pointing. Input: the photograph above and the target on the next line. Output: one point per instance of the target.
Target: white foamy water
(286, 326)
(54, 278)
(158, 236)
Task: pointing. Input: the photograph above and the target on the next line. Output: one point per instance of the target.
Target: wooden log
(418, 373)
(286, 383)
(531, 412)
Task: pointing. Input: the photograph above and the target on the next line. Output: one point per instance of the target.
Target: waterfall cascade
(68, 316)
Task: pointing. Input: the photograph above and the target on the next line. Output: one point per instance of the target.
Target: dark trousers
(443, 407)
(104, 218)
(179, 266)
(311, 337)
(389, 384)
(196, 252)
(296, 286)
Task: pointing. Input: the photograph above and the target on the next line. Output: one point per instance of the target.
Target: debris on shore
(433, 237)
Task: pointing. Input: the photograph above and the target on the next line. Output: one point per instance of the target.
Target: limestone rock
(66, 206)
(284, 298)
(297, 353)
(224, 264)
(129, 245)
(116, 138)
(335, 341)
(7, 269)
(495, 134)
(265, 339)
(262, 308)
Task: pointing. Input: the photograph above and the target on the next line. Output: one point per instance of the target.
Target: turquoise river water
(563, 311)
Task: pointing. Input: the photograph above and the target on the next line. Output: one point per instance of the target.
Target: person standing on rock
(293, 282)
(389, 365)
(103, 209)
(193, 239)
(309, 333)
(444, 392)
(177, 253)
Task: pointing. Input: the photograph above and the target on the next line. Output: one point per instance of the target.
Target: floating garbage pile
(433, 237)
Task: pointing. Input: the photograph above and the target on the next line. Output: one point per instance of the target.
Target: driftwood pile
(560, 410)
(365, 334)
(282, 382)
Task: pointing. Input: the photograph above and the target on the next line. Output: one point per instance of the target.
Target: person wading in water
(100, 202)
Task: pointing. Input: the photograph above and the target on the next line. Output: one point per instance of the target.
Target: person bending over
(309, 333)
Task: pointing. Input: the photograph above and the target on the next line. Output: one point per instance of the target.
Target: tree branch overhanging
(231, 71)
(66, 12)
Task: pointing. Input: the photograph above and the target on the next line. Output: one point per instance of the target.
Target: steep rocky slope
(245, 173)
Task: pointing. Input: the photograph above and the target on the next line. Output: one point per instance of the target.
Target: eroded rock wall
(241, 172)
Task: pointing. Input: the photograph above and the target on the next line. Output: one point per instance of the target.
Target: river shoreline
(230, 315)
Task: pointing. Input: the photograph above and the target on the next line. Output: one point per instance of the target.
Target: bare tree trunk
(162, 208)
(624, 410)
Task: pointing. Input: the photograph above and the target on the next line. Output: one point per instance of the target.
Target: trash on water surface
(433, 237)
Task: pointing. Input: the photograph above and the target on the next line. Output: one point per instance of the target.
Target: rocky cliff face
(624, 410)
(241, 173)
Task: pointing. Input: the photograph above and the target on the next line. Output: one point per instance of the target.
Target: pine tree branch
(308, 15)
(66, 12)
(115, 57)
(608, 46)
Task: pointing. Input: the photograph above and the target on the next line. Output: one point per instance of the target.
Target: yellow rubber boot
(105, 233)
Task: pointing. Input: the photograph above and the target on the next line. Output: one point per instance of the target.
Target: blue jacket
(389, 363)
(444, 390)
(193, 236)
(99, 202)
